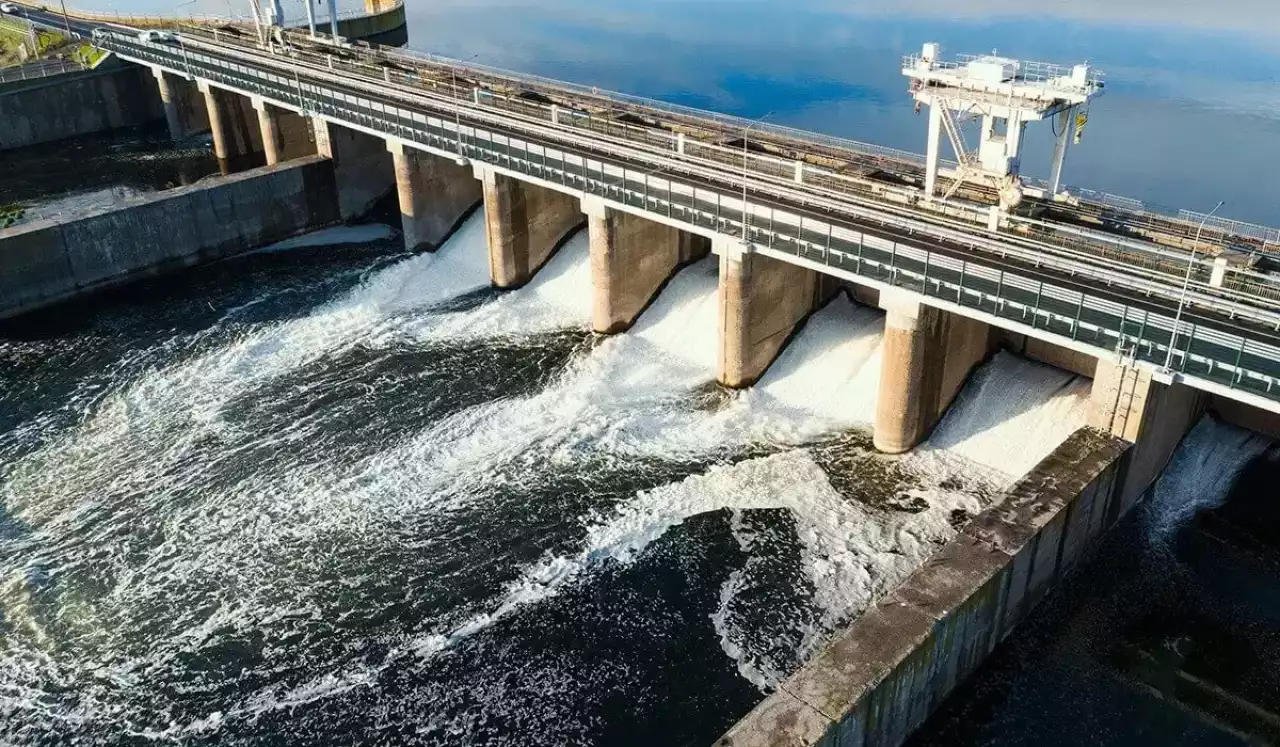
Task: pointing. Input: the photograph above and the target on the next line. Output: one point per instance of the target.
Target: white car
(153, 35)
(8, 8)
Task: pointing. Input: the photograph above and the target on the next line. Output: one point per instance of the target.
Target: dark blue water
(101, 169)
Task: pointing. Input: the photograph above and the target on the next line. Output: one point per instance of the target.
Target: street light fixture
(461, 160)
(1186, 283)
(746, 221)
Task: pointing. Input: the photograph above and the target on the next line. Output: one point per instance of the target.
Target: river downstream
(335, 494)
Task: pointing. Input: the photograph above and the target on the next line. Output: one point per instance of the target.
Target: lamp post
(1186, 283)
(66, 20)
(745, 220)
(457, 108)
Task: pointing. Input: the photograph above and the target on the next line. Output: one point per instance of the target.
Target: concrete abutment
(1129, 403)
(763, 301)
(435, 196)
(525, 224)
(631, 259)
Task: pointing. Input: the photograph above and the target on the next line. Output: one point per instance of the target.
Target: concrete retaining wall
(47, 261)
(78, 103)
(881, 678)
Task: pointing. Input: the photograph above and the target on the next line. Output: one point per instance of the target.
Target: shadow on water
(1159, 640)
(143, 159)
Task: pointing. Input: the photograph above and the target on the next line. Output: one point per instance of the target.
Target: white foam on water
(630, 397)
(362, 234)
(830, 374)
(558, 298)
(1011, 414)
(166, 410)
(1199, 476)
(851, 554)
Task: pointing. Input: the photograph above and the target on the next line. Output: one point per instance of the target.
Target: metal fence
(38, 69)
(1093, 318)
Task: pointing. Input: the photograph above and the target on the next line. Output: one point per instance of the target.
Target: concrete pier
(631, 259)
(525, 224)
(235, 140)
(763, 301)
(169, 100)
(361, 163)
(269, 126)
(435, 196)
(928, 354)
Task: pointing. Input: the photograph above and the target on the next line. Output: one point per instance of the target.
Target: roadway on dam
(1253, 359)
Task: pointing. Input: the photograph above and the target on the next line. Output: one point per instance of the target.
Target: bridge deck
(842, 207)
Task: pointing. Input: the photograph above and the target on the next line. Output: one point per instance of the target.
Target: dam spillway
(339, 473)
(336, 488)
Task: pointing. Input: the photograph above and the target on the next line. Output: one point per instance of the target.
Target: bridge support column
(435, 195)
(169, 100)
(631, 259)
(927, 355)
(763, 301)
(361, 164)
(269, 125)
(525, 224)
(234, 140)
(1127, 402)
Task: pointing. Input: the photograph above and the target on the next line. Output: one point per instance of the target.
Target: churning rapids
(338, 495)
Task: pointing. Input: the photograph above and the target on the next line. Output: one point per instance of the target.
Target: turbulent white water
(1199, 476)
(1011, 414)
(247, 490)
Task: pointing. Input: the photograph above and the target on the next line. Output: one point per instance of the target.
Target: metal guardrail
(38, 69)
(544, 114)
(1052, 237)
(1229, 360)
(1027, 71)
(1143, 212)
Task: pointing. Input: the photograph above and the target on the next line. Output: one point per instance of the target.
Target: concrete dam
(573, 452)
